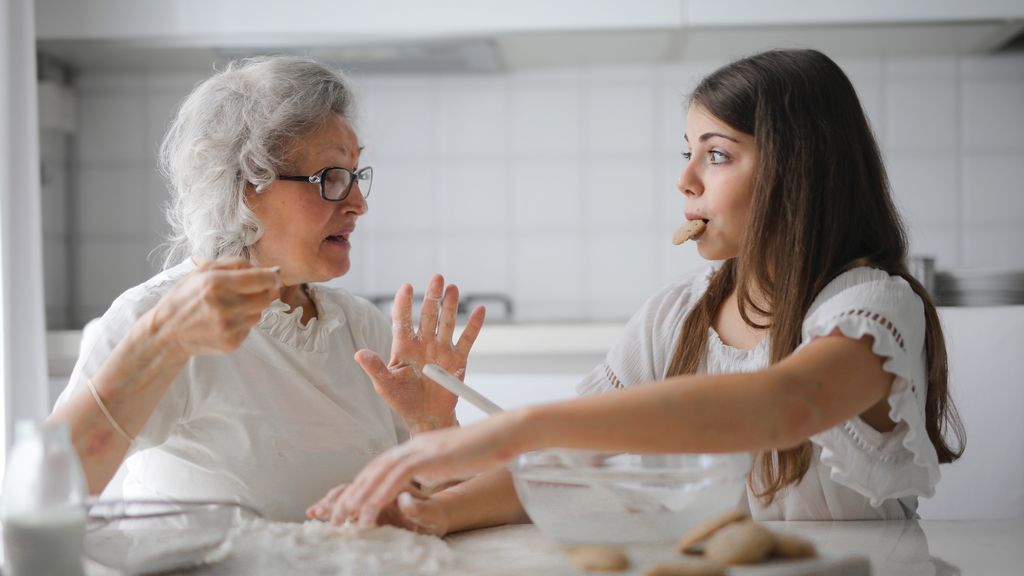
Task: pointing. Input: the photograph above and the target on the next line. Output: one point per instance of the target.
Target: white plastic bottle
(43, 507)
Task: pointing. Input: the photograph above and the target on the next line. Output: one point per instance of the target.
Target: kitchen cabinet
(511, 35)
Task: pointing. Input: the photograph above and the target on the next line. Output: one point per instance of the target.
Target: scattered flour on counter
(317, 548)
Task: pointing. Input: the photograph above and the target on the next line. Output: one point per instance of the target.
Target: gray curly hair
(237, 128)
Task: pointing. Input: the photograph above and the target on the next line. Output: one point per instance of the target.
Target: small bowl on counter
(622, 498)
(156, 536)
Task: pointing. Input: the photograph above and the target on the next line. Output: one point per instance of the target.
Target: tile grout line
(958, 132)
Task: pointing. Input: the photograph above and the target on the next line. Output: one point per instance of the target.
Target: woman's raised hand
(423, 404)
(212, 309)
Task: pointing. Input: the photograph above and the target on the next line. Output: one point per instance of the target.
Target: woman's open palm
(423, 404)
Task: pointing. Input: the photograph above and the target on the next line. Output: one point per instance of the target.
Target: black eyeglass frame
(353, 177)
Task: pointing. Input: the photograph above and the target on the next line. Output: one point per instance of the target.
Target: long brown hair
(821, 205)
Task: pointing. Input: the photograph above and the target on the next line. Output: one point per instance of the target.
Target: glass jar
(43, 507)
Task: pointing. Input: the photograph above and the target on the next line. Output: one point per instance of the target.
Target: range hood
(475, 36)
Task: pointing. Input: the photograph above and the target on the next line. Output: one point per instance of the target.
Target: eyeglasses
(335, 182)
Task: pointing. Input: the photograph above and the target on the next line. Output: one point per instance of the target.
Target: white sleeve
(100, 337)
(644, 350)
(903, 462)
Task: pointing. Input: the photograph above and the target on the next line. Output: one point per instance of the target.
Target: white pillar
(22, 312)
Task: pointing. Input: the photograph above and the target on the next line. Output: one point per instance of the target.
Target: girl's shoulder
(871, 286)
(870, 297)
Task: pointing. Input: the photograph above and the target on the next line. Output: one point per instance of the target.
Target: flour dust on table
(317, 548)
(313, 548)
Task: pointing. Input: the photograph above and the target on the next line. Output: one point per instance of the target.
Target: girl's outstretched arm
(827, 382)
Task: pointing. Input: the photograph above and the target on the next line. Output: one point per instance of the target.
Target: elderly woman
(230, 375)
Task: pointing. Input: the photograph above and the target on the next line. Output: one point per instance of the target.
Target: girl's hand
(423, 404)
(412, 510)
(430, 458)
(213, 308)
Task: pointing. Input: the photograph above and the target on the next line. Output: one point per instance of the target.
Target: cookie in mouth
(688, 230)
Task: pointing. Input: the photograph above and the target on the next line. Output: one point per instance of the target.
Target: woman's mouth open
(337, 239)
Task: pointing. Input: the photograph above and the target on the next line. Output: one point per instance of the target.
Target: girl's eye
(717, 157)
(687, 156)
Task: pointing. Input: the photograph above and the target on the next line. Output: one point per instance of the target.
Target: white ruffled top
(276, 423)
(857, 472)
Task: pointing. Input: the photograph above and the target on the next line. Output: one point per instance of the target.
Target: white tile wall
(392, 259)
(940, 240)
(477, 261)
(620, 113)
(992, 118)
(621, 195)
(621, 269)
(473, 119)
(558, 186)
(994, 245)
(113, 202)
(993, 187)
(925, 185)
(548, 275)
(919, 115)
(547, 196)
(547, 115)
(403, 196)
(112, 129)
(474, 195)
(107, 268)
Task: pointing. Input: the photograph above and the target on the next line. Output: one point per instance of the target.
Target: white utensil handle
(460, 389)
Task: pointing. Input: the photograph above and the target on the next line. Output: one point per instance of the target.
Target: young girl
(808, 344)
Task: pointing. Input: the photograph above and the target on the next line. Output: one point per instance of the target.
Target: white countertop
(538, 348)
(553, 347)
(984, 548)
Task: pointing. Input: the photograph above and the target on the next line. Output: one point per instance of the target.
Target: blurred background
(524, 149)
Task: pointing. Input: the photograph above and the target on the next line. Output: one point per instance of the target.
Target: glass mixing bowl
(154, 536)
(619, 498)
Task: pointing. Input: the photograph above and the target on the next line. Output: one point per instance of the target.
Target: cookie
(702, 531)
(789, 546)
(744, 542)
(687, 230)
(687, 568)
(598, 558)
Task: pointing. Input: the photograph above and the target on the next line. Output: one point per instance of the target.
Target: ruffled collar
(286, 326)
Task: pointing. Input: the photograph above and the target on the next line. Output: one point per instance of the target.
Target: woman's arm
(131, 383)
(210, 311)
(827, 382)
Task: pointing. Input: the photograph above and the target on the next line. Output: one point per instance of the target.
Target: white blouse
(857, 472)
(276, 423)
